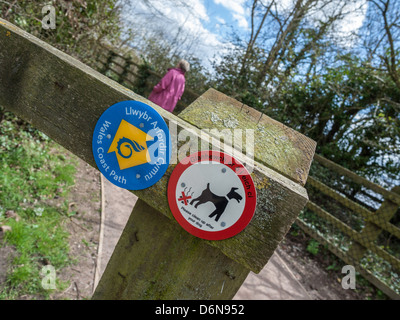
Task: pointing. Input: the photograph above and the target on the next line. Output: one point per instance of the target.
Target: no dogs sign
(212, 195)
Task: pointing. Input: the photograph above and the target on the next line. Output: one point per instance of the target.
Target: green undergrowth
(35, 177)
(377, 266)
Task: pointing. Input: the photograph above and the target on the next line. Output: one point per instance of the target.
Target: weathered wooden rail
(155, 258)
(364, 241)
(123, 69)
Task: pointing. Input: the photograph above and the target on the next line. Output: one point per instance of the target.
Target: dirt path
(84, 229)
(118, 204)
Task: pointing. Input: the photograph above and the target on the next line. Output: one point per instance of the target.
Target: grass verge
(35, 177)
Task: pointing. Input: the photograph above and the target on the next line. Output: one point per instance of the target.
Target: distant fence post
(126, 75)
(108, 62)
(371, 231)
(155, 258)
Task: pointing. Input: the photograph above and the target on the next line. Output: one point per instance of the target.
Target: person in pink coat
(171, 87)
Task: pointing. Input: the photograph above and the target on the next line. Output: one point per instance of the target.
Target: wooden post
(371, 231)
(64, 98)
(276, 146)
(157, 259)
(190, 268)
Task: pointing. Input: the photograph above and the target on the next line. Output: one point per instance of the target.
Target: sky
(208, 21)
(211, 21)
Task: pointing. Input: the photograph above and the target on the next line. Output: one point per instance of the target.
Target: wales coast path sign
(131, 145)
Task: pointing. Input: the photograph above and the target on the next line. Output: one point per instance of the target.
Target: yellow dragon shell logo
(130, 146)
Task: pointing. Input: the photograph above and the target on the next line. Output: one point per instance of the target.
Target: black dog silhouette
(219, 202)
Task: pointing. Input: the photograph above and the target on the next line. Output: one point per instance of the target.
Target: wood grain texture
(277, 146)
(157, 259)
(64, 99)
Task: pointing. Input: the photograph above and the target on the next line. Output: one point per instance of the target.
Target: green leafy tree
(351, 111)
(81, 25)
(341, 90)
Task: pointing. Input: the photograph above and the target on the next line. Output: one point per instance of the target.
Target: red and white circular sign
(212, 195)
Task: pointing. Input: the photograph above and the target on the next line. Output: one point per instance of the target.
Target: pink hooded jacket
(169, 90)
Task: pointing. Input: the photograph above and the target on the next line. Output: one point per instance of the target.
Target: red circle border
(234, 165)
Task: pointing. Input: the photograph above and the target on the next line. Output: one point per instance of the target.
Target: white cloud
(284, 5)
(199, 8)
(354, 21)
(220, 20)
(353, 12)
(180, 21)
(345, 28)
(237, 9)
(241, 20)
(236, 6)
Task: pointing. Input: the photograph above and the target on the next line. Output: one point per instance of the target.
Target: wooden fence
(123, 69)
(155, 258)
(363, 242)
(376, 261)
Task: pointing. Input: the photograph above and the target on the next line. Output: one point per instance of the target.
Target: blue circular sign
(131, 145)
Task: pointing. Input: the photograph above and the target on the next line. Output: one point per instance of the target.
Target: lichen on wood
(165, 262)
(277, 146)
